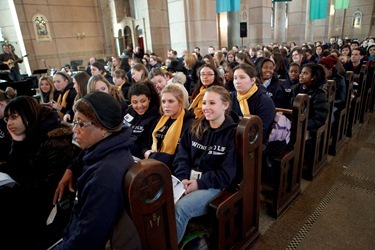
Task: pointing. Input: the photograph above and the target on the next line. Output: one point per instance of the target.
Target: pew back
(148, 185)
(235, 213)
(286, 186)
(340, 125)
(316, 154)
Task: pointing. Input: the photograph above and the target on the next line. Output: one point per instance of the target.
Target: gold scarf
(119, 87)
(242, 99)
(62, 102)
(197, 103)
(172, 136)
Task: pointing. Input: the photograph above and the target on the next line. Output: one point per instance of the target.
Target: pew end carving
(148, 186)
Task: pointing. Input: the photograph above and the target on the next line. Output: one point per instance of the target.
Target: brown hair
(217, 81)
(8, 94)
(112, 90)
(197, 128)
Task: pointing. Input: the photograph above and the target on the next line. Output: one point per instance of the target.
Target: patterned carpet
(337, 209)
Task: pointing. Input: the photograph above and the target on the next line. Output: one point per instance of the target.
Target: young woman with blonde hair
(174, 121)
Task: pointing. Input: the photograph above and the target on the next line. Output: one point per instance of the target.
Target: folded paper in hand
(178, 188)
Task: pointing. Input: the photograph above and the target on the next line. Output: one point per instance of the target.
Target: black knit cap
(102, 109)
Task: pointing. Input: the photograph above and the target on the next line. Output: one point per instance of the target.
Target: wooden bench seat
(285, 187)
(356, 101)
(339, 126)
(316, 154)
(370, 86)
(234, 214)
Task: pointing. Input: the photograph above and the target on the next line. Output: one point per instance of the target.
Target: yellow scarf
(62, 102)
(242, 99)
(172, 136)
(197, 103)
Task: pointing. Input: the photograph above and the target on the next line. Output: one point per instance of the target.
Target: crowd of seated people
(176, 113)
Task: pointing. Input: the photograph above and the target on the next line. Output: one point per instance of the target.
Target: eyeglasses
(10, 117)
(207, 74)
(81, 124)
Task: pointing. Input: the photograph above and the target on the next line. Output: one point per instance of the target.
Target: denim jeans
(192, 205)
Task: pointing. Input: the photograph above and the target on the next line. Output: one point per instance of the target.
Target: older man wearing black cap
(103, 163)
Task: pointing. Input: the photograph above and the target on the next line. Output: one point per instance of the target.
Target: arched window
(357, 19)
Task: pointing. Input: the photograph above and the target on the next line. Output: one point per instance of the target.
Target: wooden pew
(286, 186)
(355, 106)
(318, 142)
(367, 93)
(339, 127)
(233, 215)
(370, 84)
(331, 93)
(148, 186)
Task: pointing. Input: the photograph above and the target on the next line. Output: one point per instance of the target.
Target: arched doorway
(138, 32)
(128, 37)
(119, 42)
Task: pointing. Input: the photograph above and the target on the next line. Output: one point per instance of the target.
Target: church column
(260, 31)
(296, 21)
(308, 23)
(152, 25)
(193, 23)
(331, 22)
(279, 22)
(178, 22)
(107, 9)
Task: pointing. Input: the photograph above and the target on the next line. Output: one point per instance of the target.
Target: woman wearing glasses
(100, 169)
(208, 76)
(40, 151)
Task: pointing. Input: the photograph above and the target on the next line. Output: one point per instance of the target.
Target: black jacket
(142, 127)
(260, 104)
(318, 108)
(165, 157)
(37, 165)
(214, 155)
(69, 100)
(340, 94)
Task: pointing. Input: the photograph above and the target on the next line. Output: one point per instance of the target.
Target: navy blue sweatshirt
(99, 192)
(214, 155)
(142, 127)
(260, 104)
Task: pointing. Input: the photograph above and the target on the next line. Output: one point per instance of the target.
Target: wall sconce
(81, 36)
